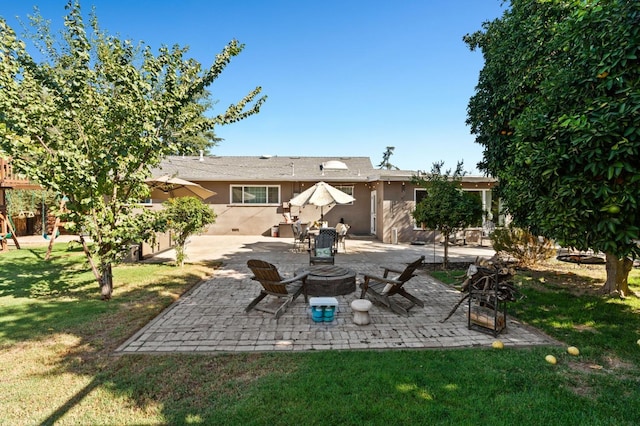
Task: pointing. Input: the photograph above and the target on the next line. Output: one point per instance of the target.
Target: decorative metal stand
(487, 306)
(488, 289)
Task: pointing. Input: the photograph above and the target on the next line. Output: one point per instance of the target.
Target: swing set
(8, 181)
(8, 227)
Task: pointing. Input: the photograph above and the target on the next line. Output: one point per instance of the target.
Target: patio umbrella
(321, 194)
(176, 187)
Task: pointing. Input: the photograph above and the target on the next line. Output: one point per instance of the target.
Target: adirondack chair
(381, 289)
(273, 284)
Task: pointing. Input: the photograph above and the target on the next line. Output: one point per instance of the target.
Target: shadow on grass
(41, 301)
(27, 275)
(356, 387)
(567, 306)
(61, 295)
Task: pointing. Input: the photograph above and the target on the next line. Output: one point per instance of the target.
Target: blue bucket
(328, 313)
(317, 313)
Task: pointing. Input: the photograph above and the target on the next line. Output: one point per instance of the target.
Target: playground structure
(49, 222)
(8, 181)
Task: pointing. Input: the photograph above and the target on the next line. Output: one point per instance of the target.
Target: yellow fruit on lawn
(638, 342)
(497, 344)
(573, 350)
(550, 359)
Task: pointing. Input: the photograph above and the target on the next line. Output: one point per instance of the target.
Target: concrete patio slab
(211, 317)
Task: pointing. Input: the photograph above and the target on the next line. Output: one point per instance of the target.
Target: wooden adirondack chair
(273, 284)
(381, 289)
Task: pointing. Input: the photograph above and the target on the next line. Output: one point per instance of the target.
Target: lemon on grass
(551, 359)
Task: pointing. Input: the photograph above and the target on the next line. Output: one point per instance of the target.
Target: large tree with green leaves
(95, 115)
(446, 207)
(557, 109)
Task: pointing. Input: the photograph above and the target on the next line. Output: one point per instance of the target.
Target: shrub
(522, 245)
(184, 217)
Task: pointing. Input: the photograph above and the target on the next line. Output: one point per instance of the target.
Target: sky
(343, 77)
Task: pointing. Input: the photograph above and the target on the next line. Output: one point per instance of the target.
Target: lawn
(57, 364)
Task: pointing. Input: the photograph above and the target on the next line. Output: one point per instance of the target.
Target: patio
(211, 317)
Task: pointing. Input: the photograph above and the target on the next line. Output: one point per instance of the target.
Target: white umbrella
(321, 194)
(166, 185)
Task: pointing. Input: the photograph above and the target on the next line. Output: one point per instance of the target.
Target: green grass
(56, 362)
(604, 328)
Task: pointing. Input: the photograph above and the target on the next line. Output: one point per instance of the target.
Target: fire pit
(329, 280)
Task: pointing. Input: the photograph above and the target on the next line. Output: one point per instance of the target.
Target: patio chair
(332, 233)
(324, 250)
(299, 236)
(381, 289)
(342, 236)
(273, 284)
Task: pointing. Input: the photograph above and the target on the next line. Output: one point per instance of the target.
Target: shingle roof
(267, 168)
(282, 168)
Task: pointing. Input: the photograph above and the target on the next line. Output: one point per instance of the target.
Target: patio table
(329, 280)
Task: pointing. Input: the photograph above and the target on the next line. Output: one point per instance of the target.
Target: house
(252, 193)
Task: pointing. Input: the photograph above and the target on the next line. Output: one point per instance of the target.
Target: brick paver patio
(211, 317)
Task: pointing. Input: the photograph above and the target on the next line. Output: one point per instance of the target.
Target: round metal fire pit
(329, 280)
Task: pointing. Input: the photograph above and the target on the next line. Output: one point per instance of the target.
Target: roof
(267, 168)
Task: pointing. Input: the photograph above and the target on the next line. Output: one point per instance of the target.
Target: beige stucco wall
(394, 201)
(259, 219)
(394, 212)
(395, 204)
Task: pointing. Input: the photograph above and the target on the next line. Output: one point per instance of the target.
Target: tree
(206, 138)
(184, 217)
(385, 163)
(95, 116)
(446, 207)
(557, 109)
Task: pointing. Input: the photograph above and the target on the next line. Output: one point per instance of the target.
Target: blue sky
(344, 78)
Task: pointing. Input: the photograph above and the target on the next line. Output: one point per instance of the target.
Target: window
(265, 194)
(347, 189)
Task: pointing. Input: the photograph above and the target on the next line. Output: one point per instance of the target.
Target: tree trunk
(53, 238)
(87, 253)
(106, 282)
(180, 250)
(445, 260)
(617, 275)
